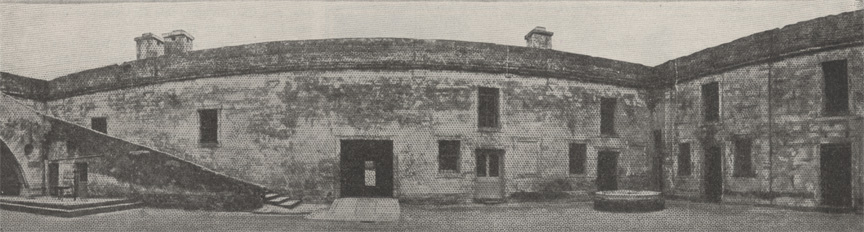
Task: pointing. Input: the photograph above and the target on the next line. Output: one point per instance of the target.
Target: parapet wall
(358, 54)
(835, 31)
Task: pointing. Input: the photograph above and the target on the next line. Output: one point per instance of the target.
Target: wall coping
(820, 34)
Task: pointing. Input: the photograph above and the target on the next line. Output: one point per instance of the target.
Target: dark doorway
(713, 174)
(836, 175)
(607, 171)
(53, 178)
(366, 168)
(489, 183)
(659, 154)
(81, 180)
(10, 172)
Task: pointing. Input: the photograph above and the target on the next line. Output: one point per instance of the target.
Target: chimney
(149, 45)
(177, 42)
(539, 38)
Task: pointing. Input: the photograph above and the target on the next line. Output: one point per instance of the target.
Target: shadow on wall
(123, 169)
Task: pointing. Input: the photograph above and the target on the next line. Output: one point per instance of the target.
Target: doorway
(836, 174)
(607, 171)
(489, 183)
(81, 180)
(53, 178)
(713, 174)
(11, 180)
(366, 168)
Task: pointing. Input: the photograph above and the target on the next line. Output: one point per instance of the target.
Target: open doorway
(836, 175)
(713, 174)
(607, 170)
(366, 168)
(11, 180)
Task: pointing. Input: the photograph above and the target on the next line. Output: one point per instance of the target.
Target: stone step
(290, 204)
(360, 209)
(78, 204)
(271, 195)
(277, 200)
(69, 212)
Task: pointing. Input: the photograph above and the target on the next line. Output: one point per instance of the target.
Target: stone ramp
(360, 209)
(67, 207)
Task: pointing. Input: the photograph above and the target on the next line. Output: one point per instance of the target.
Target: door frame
(501, 169)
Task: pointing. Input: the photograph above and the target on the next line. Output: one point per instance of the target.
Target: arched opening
(10, 172)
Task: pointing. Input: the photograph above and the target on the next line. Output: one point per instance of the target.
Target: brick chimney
(177, 42)
(149, 45)
(539, 37)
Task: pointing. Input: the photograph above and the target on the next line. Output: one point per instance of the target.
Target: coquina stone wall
(282, 130)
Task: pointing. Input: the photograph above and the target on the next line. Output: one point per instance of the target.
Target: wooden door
(713, 174)
(836, 175)
(489, 183)
(607, 170)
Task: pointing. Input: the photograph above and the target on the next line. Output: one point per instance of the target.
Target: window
(209, 121)
(607, 116)
(99, 124)
(577, 158)
(658, 140)
(743, 160)
(71, 148)
(836, 88)
(448, 156)
(711, 102)
(487, 108)
(684, 159)
(488, 162)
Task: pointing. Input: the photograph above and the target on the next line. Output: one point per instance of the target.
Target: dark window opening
(481, 164)
(578, 155)
(743, 158)
(836, 87)
(448, 156)
(81, 171)
(684, 159)
(711, 102)
(71, 148)
(488, 108)
(99, 124)
(607, 116)
(209, 122)
(658, 140)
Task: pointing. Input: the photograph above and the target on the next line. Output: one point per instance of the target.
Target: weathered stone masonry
(283, 108)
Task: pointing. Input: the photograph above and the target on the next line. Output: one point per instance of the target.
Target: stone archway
(11, 180)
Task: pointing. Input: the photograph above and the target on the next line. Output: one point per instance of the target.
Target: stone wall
(24, 131)
(117, 168)
(282, 130)
(785, 122)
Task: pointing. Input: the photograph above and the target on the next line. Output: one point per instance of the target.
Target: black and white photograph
(423, 115)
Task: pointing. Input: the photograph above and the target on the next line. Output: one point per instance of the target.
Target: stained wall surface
(779, 105)
(282, 130)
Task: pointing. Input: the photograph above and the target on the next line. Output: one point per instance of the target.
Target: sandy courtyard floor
(680, 216)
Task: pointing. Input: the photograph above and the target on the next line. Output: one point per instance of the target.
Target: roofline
(651, 77)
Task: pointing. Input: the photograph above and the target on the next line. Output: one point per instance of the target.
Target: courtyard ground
(679, 216)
